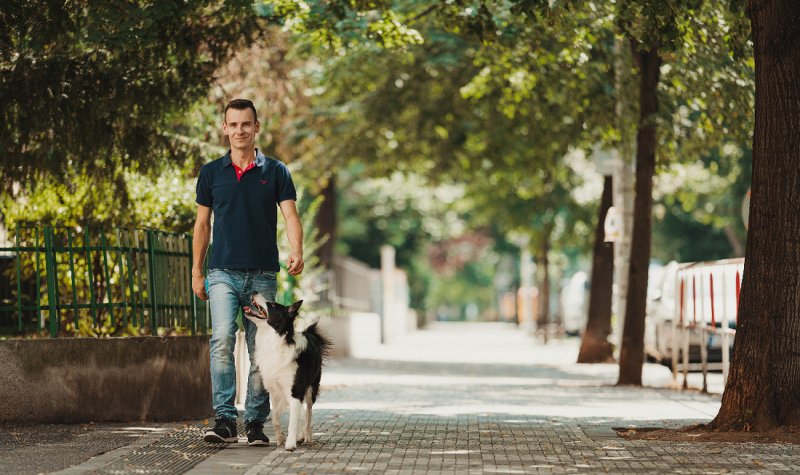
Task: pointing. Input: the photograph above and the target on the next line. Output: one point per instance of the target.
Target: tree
(595, 347)
(631, 357)
(485, 124)
(653, 31)
(763, 389)
(656, 30)
(93, 85)
(543, 71)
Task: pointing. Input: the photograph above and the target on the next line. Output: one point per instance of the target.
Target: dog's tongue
(258, 306)
(258, 312)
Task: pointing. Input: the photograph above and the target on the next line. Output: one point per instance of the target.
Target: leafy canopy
(92, 85)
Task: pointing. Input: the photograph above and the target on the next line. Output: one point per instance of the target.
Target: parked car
(573, 303)
(660, 311)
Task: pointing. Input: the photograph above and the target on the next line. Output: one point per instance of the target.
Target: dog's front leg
(301, 433)
(294, 416)
(276, 422)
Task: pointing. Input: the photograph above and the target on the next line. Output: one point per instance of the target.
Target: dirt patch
(698, 433)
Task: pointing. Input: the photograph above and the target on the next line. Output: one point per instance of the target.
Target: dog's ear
(295, 307)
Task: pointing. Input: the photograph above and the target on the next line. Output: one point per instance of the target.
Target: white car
(660, 311)
(573, 303)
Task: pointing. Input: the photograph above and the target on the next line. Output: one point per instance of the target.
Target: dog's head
(280, 317)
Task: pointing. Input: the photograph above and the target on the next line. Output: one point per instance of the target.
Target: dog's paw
(290, 447)
(304, 439)
(280, 441)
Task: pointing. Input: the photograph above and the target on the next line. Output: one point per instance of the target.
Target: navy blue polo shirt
(245, 211)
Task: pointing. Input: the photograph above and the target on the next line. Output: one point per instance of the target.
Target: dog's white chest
(277, 362)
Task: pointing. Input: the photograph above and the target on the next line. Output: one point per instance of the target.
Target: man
(242, 189)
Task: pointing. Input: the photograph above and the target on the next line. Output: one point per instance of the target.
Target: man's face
(241, 128)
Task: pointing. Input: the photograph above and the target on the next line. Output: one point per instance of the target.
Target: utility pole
(623, 204)
(624, 181)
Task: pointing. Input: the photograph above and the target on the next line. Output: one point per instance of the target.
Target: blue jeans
(228, 291)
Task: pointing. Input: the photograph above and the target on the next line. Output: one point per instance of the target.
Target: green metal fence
(73, 281)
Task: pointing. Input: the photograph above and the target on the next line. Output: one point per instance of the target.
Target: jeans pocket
(267, 284)
(214, 275)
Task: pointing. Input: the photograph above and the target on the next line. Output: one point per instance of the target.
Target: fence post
(151, 278)
(109, 293)
(19, 283)
(72, 278)
(38, 280)
(50, 269)
(87, 245)
(121, 264)
(191, 290)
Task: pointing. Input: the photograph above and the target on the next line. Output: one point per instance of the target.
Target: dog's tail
(320, 340)
(323, 345)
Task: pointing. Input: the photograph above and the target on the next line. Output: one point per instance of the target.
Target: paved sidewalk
(486, 398)
(471, 398)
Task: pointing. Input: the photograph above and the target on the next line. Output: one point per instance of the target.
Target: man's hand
(295, 264)
(202, 234)
(294, 231)
(199, 286)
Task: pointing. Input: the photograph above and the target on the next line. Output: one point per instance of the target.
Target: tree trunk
(763, 389)
(631, 357)
(544, 288)
(595, 347)
(326, 223)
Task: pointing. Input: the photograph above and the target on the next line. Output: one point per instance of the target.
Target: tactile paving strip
(176, 453)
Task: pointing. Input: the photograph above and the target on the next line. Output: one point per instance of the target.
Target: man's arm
(294, 230)
(200, 239)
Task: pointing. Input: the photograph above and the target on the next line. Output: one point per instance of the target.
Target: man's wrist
(197, 273)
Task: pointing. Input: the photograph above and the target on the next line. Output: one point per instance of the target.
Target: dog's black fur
(290, 353)
(310, 360)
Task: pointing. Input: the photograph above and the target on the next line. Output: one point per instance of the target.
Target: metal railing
(66, 281)
(707, 309)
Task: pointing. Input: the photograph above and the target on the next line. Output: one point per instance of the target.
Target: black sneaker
(224, 431)
(255, 434)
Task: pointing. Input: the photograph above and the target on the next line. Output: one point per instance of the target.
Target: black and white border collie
(289, 353)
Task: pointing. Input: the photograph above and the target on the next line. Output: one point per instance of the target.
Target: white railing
(706, 310)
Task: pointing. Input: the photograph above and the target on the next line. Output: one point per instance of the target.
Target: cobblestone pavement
(46, 448)
(478, 398)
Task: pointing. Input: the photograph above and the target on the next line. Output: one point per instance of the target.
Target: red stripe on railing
(694, 299)
(713, 319)
(738, 291)
(683, 281)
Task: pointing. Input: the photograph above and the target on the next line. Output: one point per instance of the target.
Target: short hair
(240, 104)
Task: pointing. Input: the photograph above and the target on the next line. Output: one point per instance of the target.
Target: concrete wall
(353, 333)
(114, 379)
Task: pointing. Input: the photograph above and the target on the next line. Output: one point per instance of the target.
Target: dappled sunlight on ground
(479, 368)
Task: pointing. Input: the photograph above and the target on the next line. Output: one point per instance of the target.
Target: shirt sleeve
(284, 189)
(204, 197)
